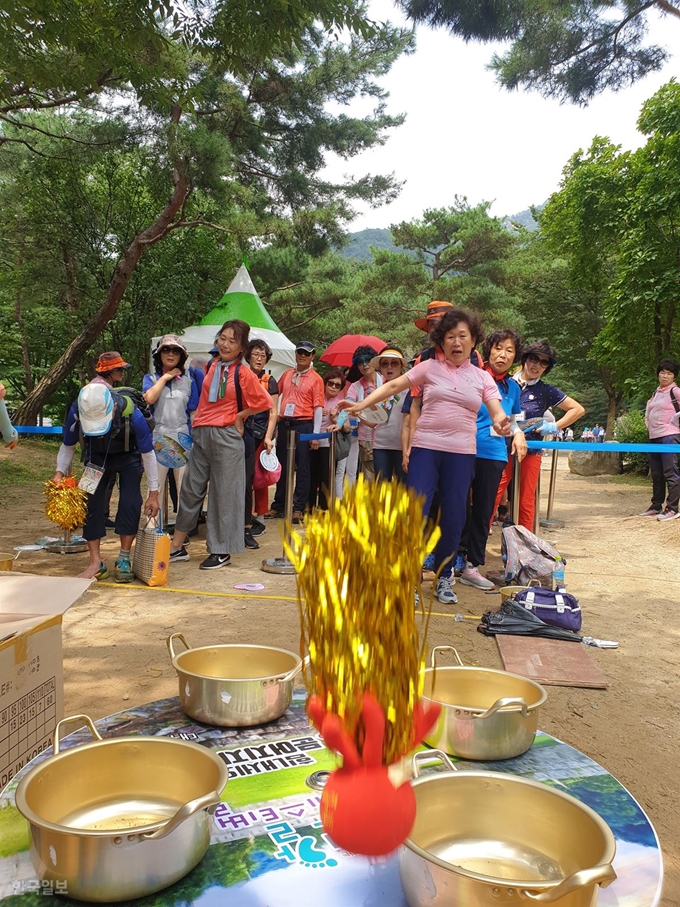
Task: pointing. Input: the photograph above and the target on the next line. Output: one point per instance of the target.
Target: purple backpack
(557, 608)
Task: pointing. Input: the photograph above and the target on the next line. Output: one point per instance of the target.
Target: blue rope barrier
(39, 429)
(608, 447)
(320, 437)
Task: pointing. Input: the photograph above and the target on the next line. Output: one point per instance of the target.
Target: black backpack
(117, 439)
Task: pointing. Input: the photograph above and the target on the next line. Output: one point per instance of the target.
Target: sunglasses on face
(336, 384)
(169, 349)
(533, 358)
(362, 362)
(303, 353)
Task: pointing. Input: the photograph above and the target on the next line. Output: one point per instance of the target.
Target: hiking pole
(281, 564)
(549, 522)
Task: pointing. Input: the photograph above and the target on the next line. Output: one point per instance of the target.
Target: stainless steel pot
(486, 714)
(484, 839)
(232, 685)
(120, 818)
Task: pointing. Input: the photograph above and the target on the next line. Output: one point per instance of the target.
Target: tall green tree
(237, 150)
(614, 225)
(567, 49)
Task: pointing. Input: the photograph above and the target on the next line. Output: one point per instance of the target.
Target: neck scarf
(500, 377)
(218, 385)
(297, 375)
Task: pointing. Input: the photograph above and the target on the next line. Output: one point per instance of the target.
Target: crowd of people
(452, 424)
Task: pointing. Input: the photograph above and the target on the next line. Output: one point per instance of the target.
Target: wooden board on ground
(551, 661)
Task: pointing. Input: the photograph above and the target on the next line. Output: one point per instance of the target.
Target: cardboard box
(31, 664)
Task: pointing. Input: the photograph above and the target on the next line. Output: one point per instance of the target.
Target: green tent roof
(241, 301)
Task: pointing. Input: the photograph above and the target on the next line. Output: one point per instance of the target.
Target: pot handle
(433, 658)
(168, 643)
(83, 719)
(296, 670)
(505, 703)
(424, 756)
(193, 806)
(598, 875)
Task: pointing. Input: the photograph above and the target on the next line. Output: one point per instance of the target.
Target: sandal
(103, 572)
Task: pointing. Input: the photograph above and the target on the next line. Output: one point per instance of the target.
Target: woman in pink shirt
(662, 418)
(444, 443)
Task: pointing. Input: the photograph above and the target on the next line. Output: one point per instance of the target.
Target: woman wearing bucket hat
(172, 392)
(536, 398)
(444, 443)
(390, 363)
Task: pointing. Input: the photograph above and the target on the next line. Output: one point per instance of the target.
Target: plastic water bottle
(558, 574)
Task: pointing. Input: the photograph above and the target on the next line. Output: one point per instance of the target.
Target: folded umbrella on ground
(515, 620)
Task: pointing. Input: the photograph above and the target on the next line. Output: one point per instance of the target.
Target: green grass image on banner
(287, 782)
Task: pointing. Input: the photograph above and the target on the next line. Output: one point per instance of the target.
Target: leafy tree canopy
(566, 49)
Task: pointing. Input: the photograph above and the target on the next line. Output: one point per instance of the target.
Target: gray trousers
(218, 457)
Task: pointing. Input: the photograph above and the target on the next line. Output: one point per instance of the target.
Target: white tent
(240, 301)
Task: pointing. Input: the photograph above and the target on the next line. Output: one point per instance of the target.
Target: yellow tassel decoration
(358, 569)
(66, 504)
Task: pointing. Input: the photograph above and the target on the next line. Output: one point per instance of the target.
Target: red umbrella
(340, 352)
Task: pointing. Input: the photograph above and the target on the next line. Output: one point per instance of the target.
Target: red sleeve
(318, 394)
(255, 397)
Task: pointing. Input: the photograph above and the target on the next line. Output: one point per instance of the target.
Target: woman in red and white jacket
(662, 418)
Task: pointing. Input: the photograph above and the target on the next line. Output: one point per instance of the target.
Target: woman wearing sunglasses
(536, 397)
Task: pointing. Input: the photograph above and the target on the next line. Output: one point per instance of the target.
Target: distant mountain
(359, 243)
(525, 218)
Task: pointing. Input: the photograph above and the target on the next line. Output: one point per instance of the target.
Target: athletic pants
(481, 508)
(529, 471)
(451, 473)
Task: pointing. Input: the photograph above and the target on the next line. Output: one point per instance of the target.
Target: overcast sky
(465, 135)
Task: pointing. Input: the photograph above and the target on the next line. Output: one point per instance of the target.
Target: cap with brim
(171, 340)
(435, 310)
(95, 409)
(305, 346)
(110, 360)
(389, 353)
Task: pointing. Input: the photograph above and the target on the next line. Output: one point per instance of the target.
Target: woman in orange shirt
(231, 392)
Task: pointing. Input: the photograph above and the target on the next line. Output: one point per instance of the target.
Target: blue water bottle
(558, 574)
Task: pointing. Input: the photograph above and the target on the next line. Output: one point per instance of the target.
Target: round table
(268, 848)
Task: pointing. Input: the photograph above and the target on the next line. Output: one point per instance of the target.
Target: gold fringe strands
(66, 504)
(358, 568)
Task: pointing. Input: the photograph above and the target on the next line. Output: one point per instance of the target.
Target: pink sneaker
(668, 514)
(651, 512)
(472, 577)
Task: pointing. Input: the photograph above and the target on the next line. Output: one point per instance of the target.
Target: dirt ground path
(625, 570)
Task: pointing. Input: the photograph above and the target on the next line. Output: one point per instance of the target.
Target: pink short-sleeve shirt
(452, 396)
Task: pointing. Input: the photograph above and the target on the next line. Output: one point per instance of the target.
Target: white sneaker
(445, 593)
(472, 577)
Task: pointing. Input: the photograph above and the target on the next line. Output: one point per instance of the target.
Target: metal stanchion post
(549, 522)
(515, 489)
(281, 564)
(331, 472)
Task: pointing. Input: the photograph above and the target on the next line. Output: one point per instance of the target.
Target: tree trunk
(25, 358)
(28, 411)
(613, 403)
